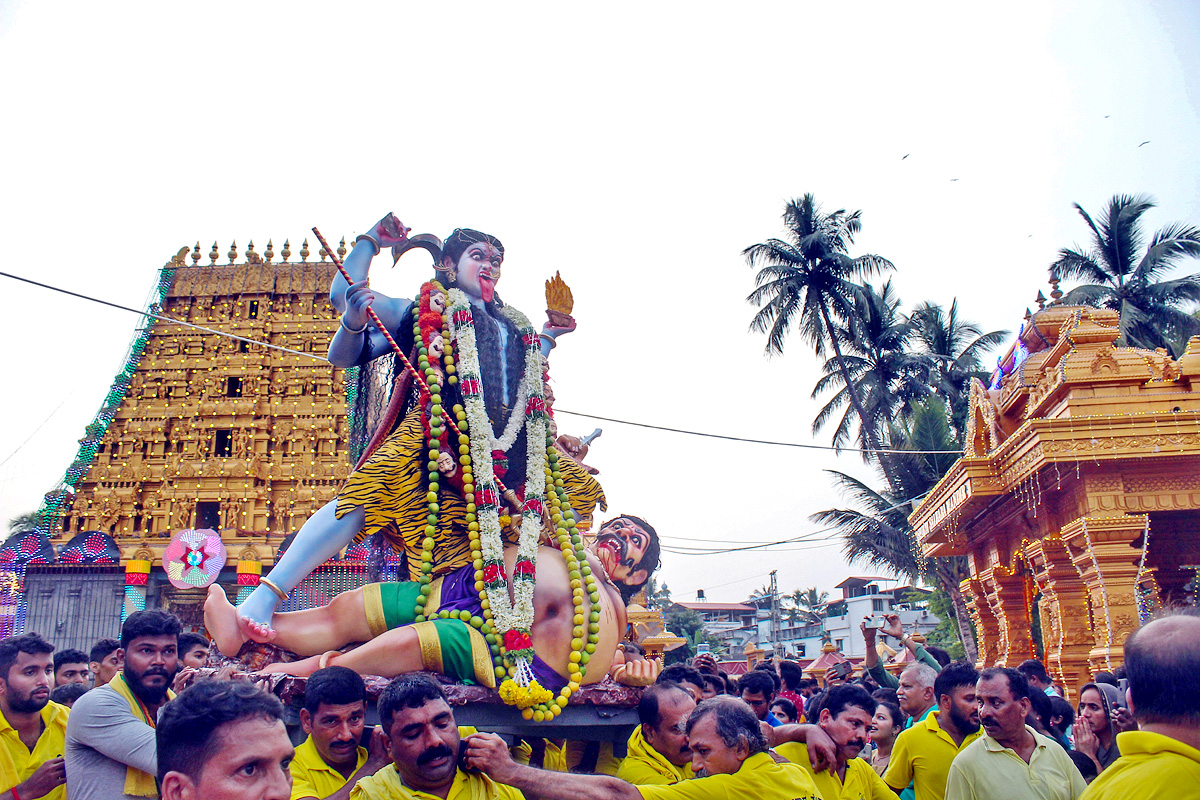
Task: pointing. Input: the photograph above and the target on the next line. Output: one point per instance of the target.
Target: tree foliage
(898, 386)
(1122, 271)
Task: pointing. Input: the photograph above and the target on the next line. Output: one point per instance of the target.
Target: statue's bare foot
(255, 631)
(301, 669)
(221, 620)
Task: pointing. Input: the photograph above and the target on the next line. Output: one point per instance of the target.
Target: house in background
(799, 635)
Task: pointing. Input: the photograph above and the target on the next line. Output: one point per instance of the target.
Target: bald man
(1158, 760)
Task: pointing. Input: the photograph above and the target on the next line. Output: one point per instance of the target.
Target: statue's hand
(637, 673)
(558, 323)
(389, 231)
(358, 299)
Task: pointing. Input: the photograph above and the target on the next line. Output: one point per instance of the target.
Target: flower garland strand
(508, 633)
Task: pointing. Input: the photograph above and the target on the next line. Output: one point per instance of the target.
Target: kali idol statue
(459, 471)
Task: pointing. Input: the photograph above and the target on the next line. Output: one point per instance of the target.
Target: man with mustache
(845, 716)
(330, 762)
(727, 744)
(110, 747)
(31, 728)
(422, 740)
(1011, 761)
(658, 749)
(922, 754)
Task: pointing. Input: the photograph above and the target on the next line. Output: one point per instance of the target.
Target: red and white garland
(512, 614)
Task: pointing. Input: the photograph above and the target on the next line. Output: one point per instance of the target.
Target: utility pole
(774, 614)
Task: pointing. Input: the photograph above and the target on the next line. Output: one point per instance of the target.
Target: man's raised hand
(893, 627)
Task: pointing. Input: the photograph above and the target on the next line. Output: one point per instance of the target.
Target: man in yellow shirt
(330, 762)
(845, 715)
(726, 741)
(33, 729)
(922, 754)
(423, 740)
(1162, 758)
(658, 748)
(1011, 761)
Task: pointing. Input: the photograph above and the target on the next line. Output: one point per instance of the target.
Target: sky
(636, 148)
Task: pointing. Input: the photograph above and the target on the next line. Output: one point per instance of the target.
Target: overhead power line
(754, 441)
(269, 346)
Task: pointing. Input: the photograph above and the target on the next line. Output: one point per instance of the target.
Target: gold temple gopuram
(213, 432)
(1080, 483)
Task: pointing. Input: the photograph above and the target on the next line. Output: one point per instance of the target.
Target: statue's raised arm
(357, 342)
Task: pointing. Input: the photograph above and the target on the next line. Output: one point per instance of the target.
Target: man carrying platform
(330, 761)
(726, 742)
(845, 715)
(423, 739)
(658, 748)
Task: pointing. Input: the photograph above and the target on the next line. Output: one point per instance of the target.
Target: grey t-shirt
(103, 737)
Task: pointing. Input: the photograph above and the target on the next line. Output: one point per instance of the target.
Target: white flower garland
(516, 611)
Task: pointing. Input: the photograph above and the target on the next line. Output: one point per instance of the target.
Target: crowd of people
(108, 724)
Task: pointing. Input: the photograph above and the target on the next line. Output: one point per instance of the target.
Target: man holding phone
(331, 760)
(423, 741)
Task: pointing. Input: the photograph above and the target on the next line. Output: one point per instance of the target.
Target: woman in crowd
(885, 727)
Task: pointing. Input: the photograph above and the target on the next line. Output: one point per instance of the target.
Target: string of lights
(270, 346)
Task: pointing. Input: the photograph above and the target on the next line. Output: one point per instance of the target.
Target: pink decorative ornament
(194, 559)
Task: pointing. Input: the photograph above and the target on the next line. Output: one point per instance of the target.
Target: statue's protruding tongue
(487, 287)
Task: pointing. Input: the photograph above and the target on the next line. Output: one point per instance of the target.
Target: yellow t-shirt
(989, 771)
(553, 756)
(643, 765)
(312, 777)
(759, 778)
(606, 762)
(861, 782)
(386, 785)
(17, 763)
(1151, 766)
(922, 755)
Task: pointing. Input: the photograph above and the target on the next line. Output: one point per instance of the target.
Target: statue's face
(479, 270)
(446, 464)
(619, 547)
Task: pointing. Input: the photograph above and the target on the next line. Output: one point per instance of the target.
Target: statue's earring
(451, 275)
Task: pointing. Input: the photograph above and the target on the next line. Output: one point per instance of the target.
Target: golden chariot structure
(1079, 489)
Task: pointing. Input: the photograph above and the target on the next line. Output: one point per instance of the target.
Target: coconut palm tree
(886, 375)
(1123, 273)
(955, 348)
(876, 530)
(807, 280)
(808, 599)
